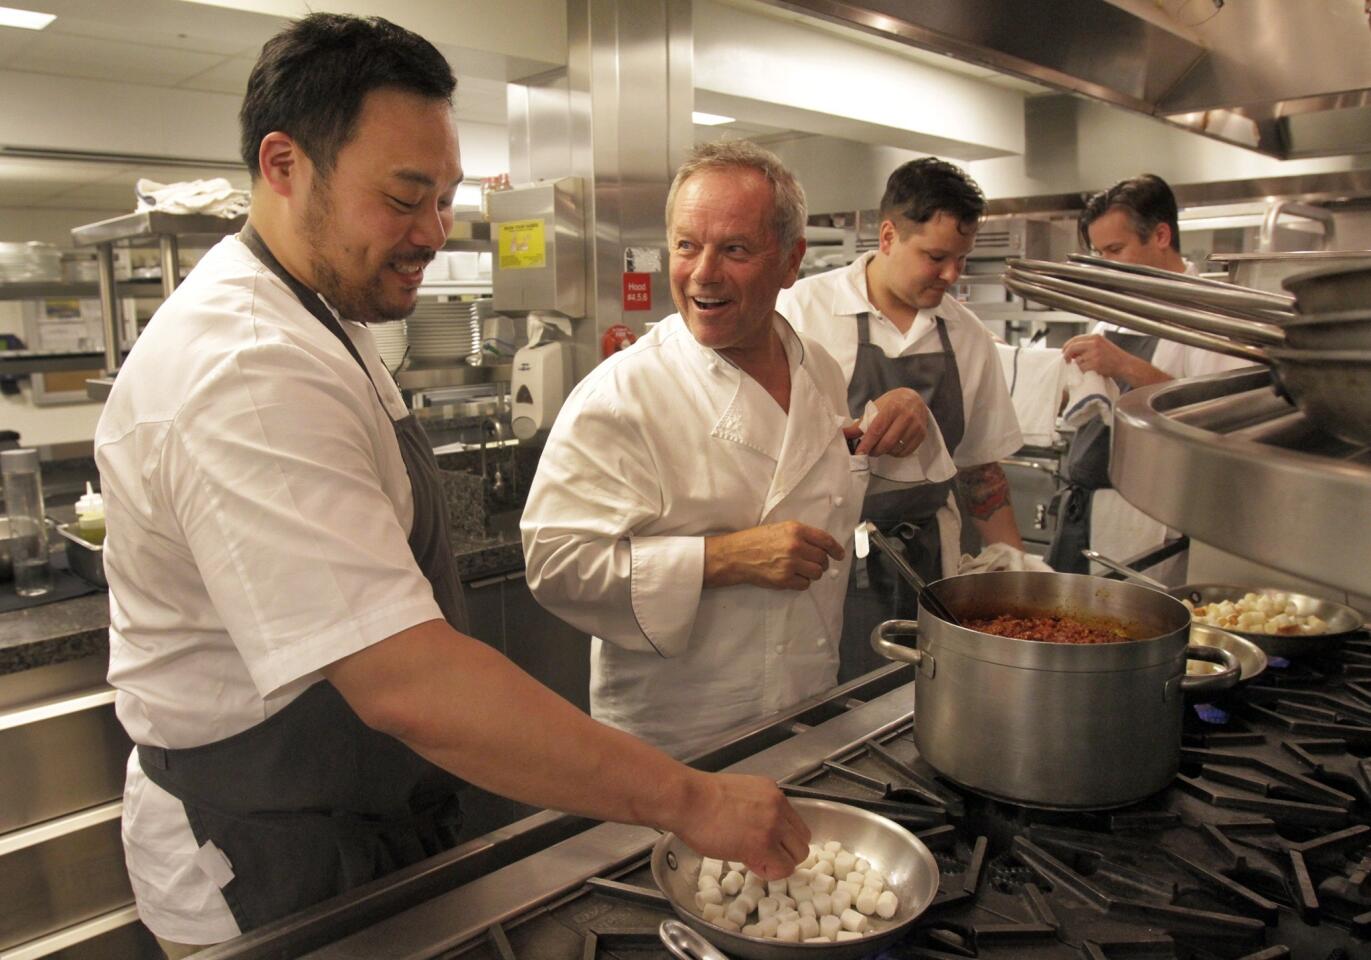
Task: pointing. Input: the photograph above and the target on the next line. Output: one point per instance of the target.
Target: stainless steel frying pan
(1342, 620)
(907, 865)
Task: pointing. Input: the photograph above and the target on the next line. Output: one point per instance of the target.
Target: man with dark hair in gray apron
(912, 351)
(286, 624)
(1135, 221)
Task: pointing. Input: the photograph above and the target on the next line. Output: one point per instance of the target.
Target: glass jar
(23, 486)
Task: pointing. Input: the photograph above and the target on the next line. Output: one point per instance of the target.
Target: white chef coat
(258, 512)
(662, 445)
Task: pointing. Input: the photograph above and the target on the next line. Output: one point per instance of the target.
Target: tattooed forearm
(985, 488)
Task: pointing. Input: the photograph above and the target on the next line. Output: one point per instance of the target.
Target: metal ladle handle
(685, 943)
(1128, 572)
(927, 597)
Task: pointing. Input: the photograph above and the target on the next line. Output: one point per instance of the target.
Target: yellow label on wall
(521, 245)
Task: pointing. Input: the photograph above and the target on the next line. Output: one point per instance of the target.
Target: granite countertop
(72, 629)
(483, 526)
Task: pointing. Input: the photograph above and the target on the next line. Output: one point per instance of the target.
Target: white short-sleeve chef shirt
(258, 514)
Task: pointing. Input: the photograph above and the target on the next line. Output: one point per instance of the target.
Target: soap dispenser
(90, 516)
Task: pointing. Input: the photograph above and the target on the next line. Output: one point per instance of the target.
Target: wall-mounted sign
(637, 291)
(521, 245)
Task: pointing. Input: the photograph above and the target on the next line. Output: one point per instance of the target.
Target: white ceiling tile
(13, 42)
(230, 76)
(201, 40)
(111, 60)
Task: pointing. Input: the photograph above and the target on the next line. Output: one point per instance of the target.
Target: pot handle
(1212, 682)
(882, 644)
(685, 943)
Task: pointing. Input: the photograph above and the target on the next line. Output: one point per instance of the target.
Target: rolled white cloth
(216, 197)
(1002, 556)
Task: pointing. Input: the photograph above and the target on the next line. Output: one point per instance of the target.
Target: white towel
(1034, 376)
(930, 461)
(216, 197)
(1001, 556)
(1087, 395)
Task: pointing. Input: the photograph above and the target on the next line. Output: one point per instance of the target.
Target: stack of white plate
(391, 343)
(30, 263)
(447, 330)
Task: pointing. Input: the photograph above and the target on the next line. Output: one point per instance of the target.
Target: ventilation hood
(1288, 79)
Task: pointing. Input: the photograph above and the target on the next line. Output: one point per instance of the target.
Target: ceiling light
(710, 119)
(25, 19)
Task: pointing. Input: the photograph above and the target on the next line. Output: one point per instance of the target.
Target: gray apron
(1085, 467)
(311, 801)
(909, 516)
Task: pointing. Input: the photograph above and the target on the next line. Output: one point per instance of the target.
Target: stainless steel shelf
(38, 291)
(439, 288)
(18, 362)
(151, 225)
(1228, 462)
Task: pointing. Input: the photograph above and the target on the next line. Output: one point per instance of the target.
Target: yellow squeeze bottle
(90, 516)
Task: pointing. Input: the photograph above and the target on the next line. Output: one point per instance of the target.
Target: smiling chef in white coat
(696, 499)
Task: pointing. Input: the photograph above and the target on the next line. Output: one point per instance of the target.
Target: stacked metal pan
(1318, 342)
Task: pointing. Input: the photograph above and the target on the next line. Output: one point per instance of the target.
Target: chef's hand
(780, 556)
(1096, 354)
(899, 427)
(744, 818)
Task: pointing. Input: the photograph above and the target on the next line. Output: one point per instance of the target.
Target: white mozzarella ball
(736, 913)
(802, 875)
(886, 905)
(714, 912)
(829, 926)
(709, 867)
(767, 907)
(786, 902)
(866, 901)
(775, 888)
(809, 927)
(817, 940)
(845, 935)
(842, 899)
(823, 868)
(843, 863)
(855, 877)
(807, 908)
(706, 882)
(875, 881)
(751, 879)
(808, 862)
(750, 897)
(769, 926)
(823, 883)
(712, 895)
(833, 846)
(852, 888)
(732, 883)
(788, 915)
(863, 865)
(752, 930)
(730, 926)
(788, 932)
(737, 865)
(854, 921)
(823, 904)
(801, 892)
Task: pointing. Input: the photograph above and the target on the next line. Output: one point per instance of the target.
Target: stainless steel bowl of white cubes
(865, 881)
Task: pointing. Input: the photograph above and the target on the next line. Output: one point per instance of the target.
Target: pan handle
(1128, 572)
(685, 943)
(881, 642)
(1213, 682)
